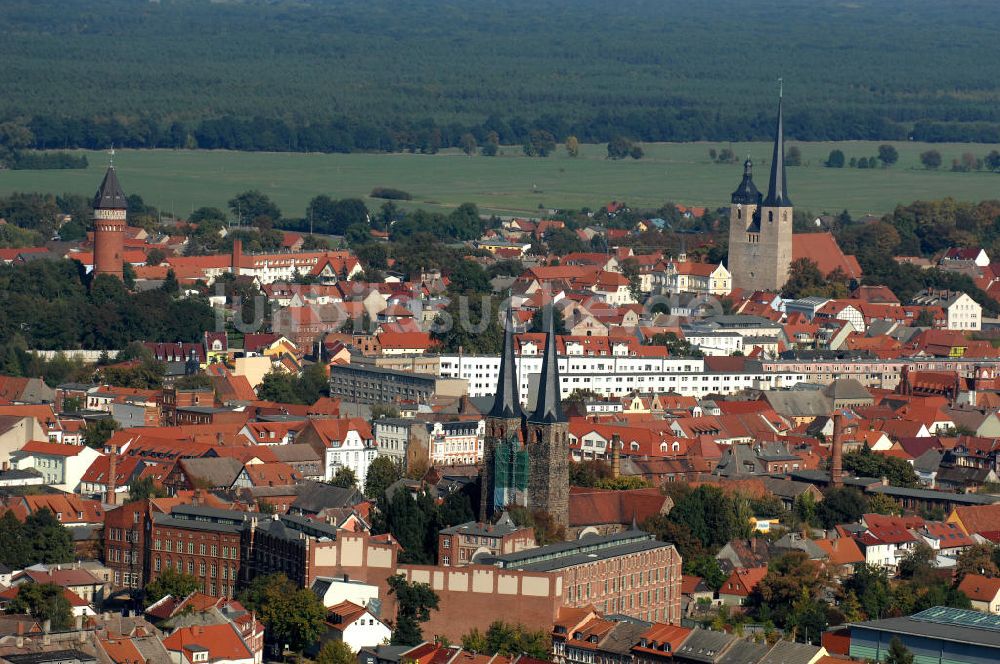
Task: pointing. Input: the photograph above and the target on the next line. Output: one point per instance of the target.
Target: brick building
(125, 531)
(628, 573)
(205, 542)
(470, 542)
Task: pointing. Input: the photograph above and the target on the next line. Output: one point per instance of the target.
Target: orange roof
(70, 508)
(51, 449)
(405, 340)
(841, 551)
(121, 650)
(822, 249)
(221, 641)
(979, 588)
(333, 431)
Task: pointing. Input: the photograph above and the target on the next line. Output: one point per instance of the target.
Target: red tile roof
(822, 249)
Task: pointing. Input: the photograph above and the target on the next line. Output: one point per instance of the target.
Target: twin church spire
(507, 402)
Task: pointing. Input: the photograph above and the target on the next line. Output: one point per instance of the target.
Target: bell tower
(760, 229)
(504, 476)
(110, 209)
(548, 439)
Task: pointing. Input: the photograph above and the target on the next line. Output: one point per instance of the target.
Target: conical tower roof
(746, 193)
(777, 186)
(548, 408)
(110, 195)
(507, 402)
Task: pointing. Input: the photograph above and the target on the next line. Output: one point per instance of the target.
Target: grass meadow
(180, 181)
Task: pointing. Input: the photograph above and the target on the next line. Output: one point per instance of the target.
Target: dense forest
(320, 75)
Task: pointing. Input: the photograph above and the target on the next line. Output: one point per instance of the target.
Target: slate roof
(109, 195)
(704, 645)
(314, 497)
(214, 471)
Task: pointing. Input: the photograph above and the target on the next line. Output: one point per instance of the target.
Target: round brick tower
(110, 209)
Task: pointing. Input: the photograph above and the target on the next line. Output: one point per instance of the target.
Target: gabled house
(356, 626)
(344, 443)
(741, 582)
(983, 592)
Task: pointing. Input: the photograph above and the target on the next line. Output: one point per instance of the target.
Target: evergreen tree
(898, 654)
(382, 472)
(43, 601)
(50, 542)
(414, 602)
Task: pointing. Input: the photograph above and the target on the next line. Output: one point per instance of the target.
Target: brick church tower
(548, 439)
(526, 458)
(505, 463)
(760, 228)
(109, 226)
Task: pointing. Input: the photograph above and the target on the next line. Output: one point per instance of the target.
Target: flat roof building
(939, 635)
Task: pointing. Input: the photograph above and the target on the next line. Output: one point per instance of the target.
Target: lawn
(180, 181)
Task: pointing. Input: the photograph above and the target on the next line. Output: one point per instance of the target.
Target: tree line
(321, 76)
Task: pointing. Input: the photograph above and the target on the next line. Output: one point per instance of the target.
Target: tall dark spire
(507, 402)
(746, 193)
(548, 408)
(777, 186)
(110, 195)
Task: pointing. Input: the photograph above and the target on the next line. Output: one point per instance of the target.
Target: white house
(357, 626)
(961, 311)
(61, 466)
(343, 443)
(336, 590)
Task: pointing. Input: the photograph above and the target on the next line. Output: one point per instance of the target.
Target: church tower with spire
(548, 439)
(505, 463)
(526, 457)
(760, 228)
(110, 208)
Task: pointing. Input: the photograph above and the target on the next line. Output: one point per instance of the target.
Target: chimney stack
(837, 466)
(237, 256)
(112, 476)
(616, 456)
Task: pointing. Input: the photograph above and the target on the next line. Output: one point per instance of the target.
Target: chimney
(837, 466)
(112, 475)
(616, 457)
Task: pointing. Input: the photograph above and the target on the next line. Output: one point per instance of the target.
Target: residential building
(344, 443)
(357, 626)
(475, 542)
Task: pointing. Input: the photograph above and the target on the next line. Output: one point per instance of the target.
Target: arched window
(739, 213)
(770, 215)
(663, 447)
(634, 446)
(677, 446)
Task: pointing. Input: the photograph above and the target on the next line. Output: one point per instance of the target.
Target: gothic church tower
(760, 228)
(526, 458)
(548, 439)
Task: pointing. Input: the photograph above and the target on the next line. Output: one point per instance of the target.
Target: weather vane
(111, 158)
(781, 88)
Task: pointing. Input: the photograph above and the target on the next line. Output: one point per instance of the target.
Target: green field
(180, 181)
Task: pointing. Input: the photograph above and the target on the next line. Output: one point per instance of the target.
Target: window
(447, 560)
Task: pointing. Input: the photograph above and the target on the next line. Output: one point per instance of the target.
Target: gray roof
(847, 388)
(548, 406)
(585, 550)
(788, 652)
(802, 403)
(314, 497)
(915, 625)
(214, 471)
(194, 524)
(294, 452)
(109, 195)
(785, 488)
(703, 645)
(746, 193)
(777, 185)
(930, 494)
(744, 652)
(503, 526)
(507, 402)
